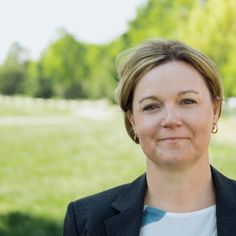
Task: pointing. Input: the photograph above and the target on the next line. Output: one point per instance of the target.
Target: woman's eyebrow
(149, 97)
(153, 97)
(187, 91)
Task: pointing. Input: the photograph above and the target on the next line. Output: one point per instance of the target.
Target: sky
(35, 23)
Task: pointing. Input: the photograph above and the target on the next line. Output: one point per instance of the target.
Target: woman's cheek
(148, 127)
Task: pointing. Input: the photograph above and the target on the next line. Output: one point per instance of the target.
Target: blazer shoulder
(99, 204)
(225, 187)
(88, 214)
(100, 199)
(222, 179)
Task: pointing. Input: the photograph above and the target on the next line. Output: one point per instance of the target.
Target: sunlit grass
(45, 166)
(223, 147)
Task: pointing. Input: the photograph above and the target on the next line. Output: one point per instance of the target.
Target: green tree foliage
(72, 69)
(162, 19)
(13, 71)
(212, 28)
(11, 79)
(208, 25)
(63, 63)
(100, 80)
(36, 83)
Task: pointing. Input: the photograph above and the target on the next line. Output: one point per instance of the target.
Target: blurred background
(62, 136)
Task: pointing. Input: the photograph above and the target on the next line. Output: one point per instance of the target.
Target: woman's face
(173, 114)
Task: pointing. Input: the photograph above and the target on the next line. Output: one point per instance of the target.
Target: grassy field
(51, 155)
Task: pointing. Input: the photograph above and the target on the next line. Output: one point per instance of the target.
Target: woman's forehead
(177, 77)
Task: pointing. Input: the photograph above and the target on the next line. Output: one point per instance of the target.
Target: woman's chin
(172, 160)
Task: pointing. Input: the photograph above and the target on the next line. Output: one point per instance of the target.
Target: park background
(62, 136)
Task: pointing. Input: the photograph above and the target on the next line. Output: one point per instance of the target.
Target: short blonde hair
(134, 63)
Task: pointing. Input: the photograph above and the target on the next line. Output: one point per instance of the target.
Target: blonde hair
(134, 63)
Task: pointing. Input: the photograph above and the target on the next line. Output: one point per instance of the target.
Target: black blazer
(118, 211)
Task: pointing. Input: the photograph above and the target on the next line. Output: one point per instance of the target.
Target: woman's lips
(172, 139)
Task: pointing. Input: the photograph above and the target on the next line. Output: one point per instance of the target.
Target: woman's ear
(131, 120)
(216, 110)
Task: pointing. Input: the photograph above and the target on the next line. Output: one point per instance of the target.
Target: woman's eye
(151, 107)
(188, 101)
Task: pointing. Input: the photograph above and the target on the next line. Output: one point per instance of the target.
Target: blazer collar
(129, 206)
(225, 204)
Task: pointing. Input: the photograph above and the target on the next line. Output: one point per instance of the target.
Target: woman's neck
(182, 190)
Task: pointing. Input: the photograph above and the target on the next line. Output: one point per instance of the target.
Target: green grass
(223, 148)
(45, 166)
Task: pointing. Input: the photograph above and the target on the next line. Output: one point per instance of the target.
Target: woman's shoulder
(221, 179)
(105, 198)
(90, 213)
(225, 189)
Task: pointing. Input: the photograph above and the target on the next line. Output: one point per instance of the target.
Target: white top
(157, 222)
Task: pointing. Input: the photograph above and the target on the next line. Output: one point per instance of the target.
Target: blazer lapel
(129, 207)
(225, 204)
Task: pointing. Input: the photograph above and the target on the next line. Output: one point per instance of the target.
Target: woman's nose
(171, 117)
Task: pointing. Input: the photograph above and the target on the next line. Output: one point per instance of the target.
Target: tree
(159, 19)
(13, 71)
(72, 69)
(36, 84)
(212, 29)
(63, 64)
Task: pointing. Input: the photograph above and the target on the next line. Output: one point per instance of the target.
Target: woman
(171, 97)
